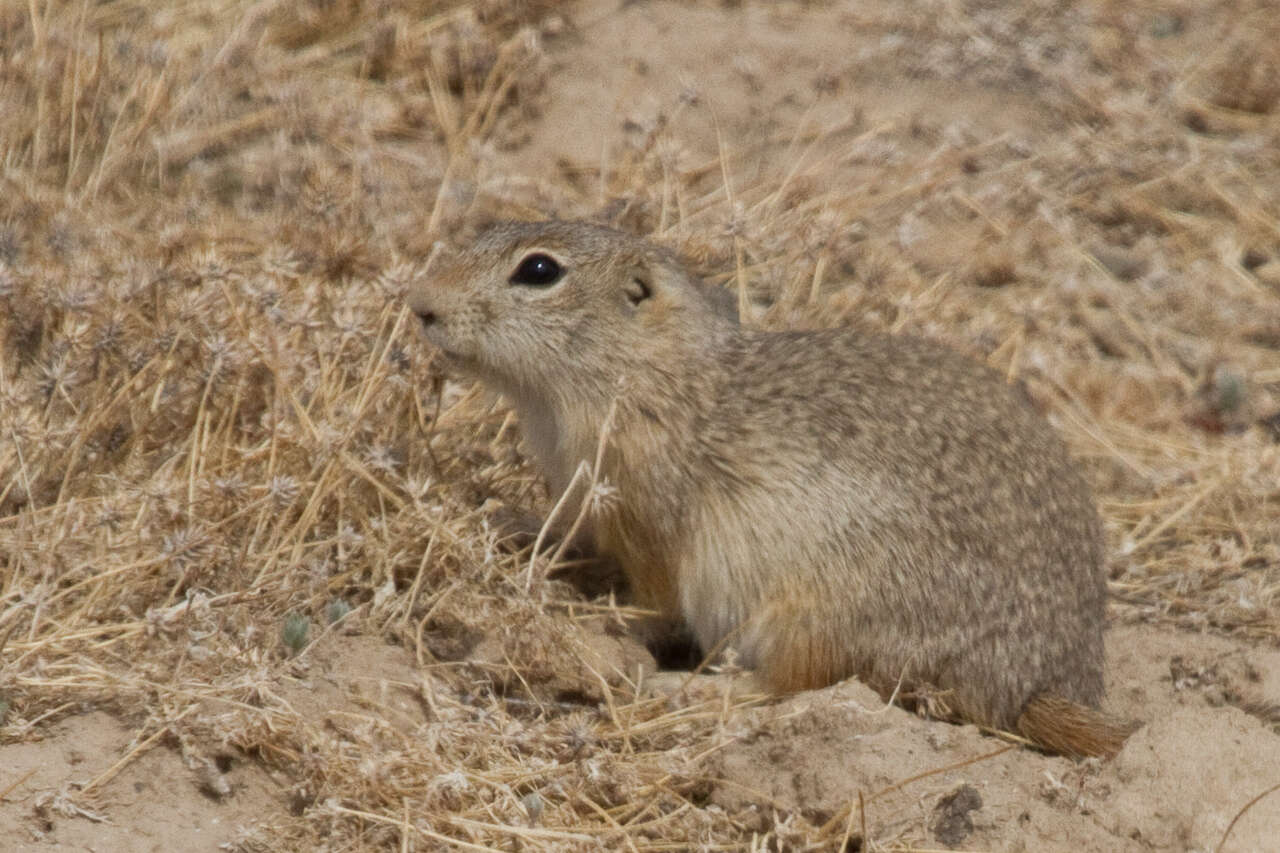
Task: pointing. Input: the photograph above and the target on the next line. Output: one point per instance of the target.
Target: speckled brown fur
(837, 503)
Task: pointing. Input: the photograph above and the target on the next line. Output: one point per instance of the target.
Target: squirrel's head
(565, 307)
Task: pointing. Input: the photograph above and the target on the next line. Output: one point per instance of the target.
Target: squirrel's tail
(1068, 728)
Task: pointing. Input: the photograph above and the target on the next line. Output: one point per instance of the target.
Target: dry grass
(213, 417)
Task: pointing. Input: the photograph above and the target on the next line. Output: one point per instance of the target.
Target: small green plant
(336, 610)
(1229, 391)
(533, 805)
(295, 630)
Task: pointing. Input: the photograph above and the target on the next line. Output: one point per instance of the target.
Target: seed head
(283, 490)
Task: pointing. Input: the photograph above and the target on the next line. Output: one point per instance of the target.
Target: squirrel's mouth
(451, 358)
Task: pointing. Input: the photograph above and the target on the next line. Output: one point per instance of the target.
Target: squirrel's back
(906, 501)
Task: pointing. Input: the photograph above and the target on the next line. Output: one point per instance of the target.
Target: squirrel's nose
(423, 305)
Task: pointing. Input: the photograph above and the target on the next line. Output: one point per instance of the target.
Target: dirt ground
(252, 597)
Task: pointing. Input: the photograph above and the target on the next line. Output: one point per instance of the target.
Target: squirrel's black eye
(538, 270)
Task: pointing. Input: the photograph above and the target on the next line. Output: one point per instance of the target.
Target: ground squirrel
(830, 503)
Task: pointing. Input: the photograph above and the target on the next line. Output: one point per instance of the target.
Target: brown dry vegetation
(218, 434)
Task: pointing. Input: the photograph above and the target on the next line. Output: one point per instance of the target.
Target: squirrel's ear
(638, 286)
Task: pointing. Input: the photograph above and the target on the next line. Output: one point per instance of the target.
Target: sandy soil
(837, 757)
(988, 151)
